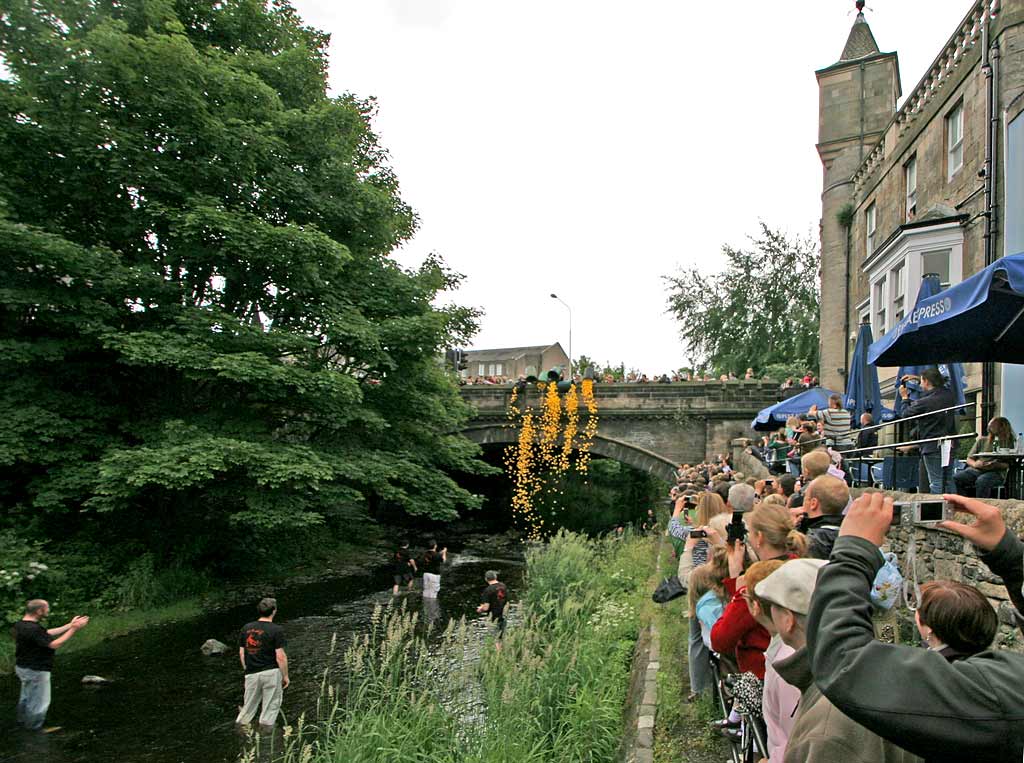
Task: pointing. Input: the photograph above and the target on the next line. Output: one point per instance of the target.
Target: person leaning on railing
(986, 474)
(968, 709)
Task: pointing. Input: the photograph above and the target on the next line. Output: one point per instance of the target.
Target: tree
(202, 333)
(761, 310)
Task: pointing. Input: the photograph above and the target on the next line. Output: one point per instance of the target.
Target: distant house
(512, 362)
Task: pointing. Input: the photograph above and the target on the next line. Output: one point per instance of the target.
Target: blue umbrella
(930, 287)
(774, 416)
(863, 395)
(977, 320)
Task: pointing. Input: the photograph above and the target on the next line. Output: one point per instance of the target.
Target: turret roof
(861, 43)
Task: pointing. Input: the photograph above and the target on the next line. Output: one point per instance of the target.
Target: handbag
(668, 589)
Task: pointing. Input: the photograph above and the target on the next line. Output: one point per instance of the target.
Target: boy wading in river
(261, 651)
(493, 600)
(432, 561)
(403, 567)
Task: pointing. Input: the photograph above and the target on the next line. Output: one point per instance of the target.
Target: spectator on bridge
(986, 474)
(968, 708)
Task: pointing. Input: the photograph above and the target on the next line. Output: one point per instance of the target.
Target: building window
(910, 176)
(937, 262)
(482, 370)
(955, 139)
(898, 284)
(895, 271)
(880, 302)
(870, 225)
(497, 369)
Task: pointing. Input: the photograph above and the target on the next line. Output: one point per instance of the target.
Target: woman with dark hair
(955, 620)
(986, 474)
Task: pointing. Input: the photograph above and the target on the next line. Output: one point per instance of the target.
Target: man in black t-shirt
(403, 567)
(493, 600)
(432, 561)
(33, 660)
(261, 652)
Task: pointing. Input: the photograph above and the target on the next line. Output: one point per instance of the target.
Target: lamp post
(555, 296)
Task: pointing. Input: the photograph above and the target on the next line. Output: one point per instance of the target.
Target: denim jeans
(982, 482)
(940, 478)
(699, 660)
(35, 697)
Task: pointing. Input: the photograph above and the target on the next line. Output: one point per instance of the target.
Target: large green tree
(760, 311)
(202, 334)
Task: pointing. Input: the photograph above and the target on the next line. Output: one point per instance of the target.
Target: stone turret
(857, 100)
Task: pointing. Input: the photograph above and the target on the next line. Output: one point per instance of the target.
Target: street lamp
(555, 296)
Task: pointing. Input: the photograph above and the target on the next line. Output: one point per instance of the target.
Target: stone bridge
(653, 427)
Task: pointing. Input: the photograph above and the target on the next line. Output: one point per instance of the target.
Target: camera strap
(911, 582)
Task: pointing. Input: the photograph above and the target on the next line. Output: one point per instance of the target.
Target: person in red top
(771, 535)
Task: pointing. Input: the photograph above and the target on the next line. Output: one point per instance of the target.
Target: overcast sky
(590, 148)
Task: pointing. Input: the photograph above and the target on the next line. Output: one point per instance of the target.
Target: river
(167, 703)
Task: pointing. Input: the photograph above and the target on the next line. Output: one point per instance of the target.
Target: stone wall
(945, 555)
(685, 422)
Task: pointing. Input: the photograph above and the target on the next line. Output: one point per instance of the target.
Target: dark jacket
(867, 439)
(971, 709)
(821, 534)
(821, 733)
(939, 425)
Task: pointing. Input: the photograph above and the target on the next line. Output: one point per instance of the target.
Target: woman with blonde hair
(772, 534)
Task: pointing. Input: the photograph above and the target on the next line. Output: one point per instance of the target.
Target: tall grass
(553, 694)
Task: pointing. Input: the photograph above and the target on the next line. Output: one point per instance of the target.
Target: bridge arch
(608, 447)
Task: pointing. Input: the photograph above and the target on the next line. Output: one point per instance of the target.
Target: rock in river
(213, 646)
(95, 680)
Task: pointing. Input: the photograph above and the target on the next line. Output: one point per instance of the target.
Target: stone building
(512, 362)
(934, 186)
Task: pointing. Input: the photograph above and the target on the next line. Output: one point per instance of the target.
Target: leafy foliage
(760, 311)
(202, 335)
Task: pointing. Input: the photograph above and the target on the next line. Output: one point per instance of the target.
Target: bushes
(554, 694)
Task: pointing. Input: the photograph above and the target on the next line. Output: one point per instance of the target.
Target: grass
(682, 733)
(553, 694)
(107, 626)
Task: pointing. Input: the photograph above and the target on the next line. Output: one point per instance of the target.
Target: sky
(590, 148)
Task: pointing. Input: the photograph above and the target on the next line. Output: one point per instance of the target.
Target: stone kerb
(945, 555)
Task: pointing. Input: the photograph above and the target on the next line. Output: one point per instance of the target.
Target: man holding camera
(936, 397)
(944, 711)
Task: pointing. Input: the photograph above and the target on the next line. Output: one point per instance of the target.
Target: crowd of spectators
(779, 575)
(637, 377)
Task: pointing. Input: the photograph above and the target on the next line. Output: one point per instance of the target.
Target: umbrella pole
(1009, 325)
